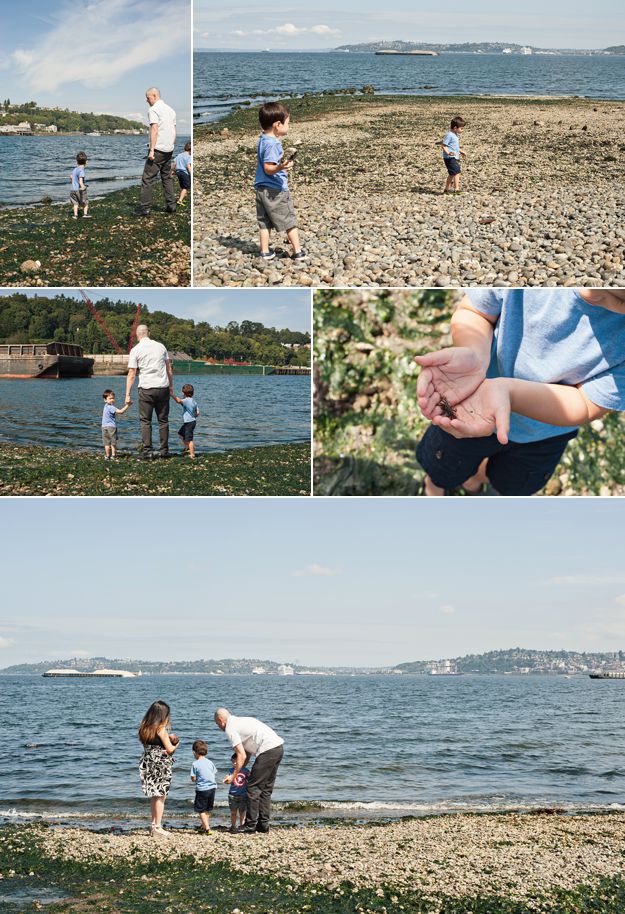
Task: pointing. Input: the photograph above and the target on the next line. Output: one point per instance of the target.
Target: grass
(114, 247)
(275, 470)
(180, 885)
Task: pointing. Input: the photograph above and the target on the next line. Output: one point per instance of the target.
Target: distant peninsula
(28, 119)
(520, 661)
(480, 47)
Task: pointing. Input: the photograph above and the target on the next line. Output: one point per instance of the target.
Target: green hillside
(65, 120)
(43, 318)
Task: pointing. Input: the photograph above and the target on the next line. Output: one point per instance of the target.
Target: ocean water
(244, 411)
(361, 747)
(37, 166)
(222, 80)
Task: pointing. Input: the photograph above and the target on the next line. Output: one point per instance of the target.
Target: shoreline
(113, 247)
(457, 864)
(282, 469)
(527, 217)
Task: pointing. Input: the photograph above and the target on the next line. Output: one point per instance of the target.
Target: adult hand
(453, 373)
(485, 411)
(229, 779)
(612, 299)
(150, 156)
(128, 400)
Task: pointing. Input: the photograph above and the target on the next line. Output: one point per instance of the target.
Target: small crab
(447, 409)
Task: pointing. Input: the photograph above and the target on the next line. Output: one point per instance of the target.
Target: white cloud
(319, 571)
(447, 609)
(108, 39)
(290, 30)
(6, 642)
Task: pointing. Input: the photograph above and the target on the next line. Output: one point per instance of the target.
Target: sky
(368, 582)
(257, 25)
(285, 308)
(98, 55)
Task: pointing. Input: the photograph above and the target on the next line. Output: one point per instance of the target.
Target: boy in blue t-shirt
(109, 424)
(181, 166)
(451, 155)
(190, 413)
(528, 367)
(237, 795)
(203, 775)
(79, 194)
(274, 207)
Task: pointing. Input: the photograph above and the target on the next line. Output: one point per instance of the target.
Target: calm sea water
(222, 80)
(243, 411)
(356, 746)
(38, 166)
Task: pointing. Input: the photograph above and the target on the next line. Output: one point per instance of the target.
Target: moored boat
(44, 360)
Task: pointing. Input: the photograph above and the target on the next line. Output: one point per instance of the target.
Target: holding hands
(453, 392)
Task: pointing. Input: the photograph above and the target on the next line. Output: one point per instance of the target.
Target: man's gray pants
(154, 399)
(161, 165)
(260, 787)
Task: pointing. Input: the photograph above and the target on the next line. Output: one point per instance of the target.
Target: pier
(118, 365)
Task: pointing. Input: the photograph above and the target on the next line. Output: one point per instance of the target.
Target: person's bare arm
(124, 408)
(170, 374)
(272, 168)
(168, 746)
(153, 138)
(487, 411)
(130, 380)
(240, 763)
(177, 399)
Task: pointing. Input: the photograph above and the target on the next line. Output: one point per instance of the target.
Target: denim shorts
(186, 431)
(513, 469)
(204, 800)
(453, 166)
(184, 180)
(235, 802)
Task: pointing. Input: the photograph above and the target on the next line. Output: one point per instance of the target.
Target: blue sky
(98, 55)
(320, 581)
(257, 24)
(282, 308)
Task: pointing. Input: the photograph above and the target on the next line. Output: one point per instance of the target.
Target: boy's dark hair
(107, 393)
(458, 122)
(187, 146)
(187, 390)
(272, 112)
(81, 158)
(200, 747)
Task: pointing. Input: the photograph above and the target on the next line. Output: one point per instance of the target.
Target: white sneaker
(158, 832)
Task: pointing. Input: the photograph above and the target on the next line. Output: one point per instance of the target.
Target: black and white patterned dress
(155, 770)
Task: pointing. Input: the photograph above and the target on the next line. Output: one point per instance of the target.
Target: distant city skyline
(322, 582)
(289, 308)
(98, 55)
(255, 25)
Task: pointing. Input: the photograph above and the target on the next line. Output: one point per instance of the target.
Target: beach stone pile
(456, 855)
(543, 202)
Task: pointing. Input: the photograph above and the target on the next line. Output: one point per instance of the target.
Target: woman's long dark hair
(155, 717)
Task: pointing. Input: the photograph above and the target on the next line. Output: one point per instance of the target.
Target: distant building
(507, 51)
(526, 50)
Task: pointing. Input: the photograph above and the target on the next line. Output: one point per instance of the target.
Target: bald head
(142, 331)
(221, 717)
(152, 95)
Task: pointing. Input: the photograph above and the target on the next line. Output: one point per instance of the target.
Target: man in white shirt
(162, 121)
(150, 360)
(249, 736)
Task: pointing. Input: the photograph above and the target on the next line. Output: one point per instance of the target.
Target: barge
(44, 360)
(96, 674)
(607, 674)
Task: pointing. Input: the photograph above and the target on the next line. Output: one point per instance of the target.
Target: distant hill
(64, 120)
(88, 665)
(47, 317)
(521, 660)
(480, 47)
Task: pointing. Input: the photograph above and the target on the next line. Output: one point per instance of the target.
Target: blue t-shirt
(189, 409)
(452, 141)
(270, 150)
(78, 172)
(181, 161)
(555, 337)
(204, 773)
(238, 788)
(108, 416)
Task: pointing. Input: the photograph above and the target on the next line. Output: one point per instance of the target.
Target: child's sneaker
(299, 255)
(86, 216)
(267, 255)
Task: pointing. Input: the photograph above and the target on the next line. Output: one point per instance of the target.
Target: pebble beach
(511, 856)
(542, 203)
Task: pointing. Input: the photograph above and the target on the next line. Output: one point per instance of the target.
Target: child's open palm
(484, 412)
